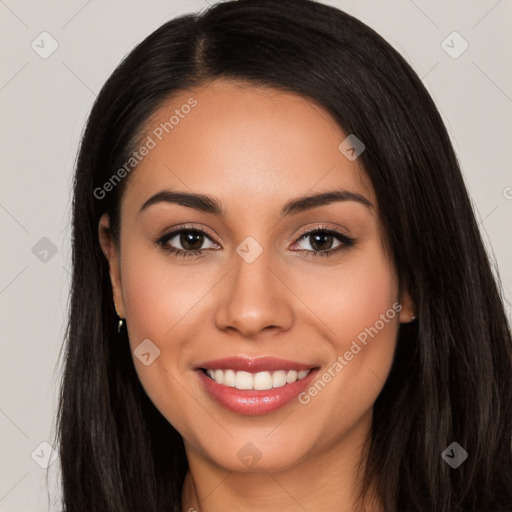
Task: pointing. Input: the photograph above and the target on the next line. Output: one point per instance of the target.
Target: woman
(280, 298)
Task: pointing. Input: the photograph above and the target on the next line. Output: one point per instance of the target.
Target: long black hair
(451, 376)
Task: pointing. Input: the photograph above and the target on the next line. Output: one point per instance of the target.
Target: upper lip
(254, 365)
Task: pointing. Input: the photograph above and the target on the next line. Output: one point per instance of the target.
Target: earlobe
(110, 250)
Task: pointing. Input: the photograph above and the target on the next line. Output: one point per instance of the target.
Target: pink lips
(254, 402)
(253, 365)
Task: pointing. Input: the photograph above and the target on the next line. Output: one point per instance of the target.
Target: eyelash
(346, 241)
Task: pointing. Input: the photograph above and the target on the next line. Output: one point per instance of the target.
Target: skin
(254, 149)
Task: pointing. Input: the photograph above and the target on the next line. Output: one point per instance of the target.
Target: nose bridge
(251, 273)
(255, 298)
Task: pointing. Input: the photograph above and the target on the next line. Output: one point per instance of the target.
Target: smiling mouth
(259, 381)
(254, 385)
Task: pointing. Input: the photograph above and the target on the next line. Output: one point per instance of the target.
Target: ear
(111, 252)
(407, 313)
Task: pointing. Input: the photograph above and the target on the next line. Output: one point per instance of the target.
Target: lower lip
(251, 402)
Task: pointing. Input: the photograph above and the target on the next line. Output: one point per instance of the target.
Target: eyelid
(187, 227)
(321, 227)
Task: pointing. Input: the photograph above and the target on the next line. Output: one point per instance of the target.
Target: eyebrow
(211, 205)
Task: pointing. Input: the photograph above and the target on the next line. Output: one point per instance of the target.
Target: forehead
(250, 146)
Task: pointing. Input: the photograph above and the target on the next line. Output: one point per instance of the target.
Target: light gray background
(43, 108)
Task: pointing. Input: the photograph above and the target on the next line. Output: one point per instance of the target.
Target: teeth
(229, 378)
(262, 380)
(243, 380)
(278, 379)
(259, 381)
(291, 377)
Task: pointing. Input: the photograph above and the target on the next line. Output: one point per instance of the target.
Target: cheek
(351, 297)
(358, 312)
(369, 322)
(163, 304)
(367, 293)
(159, 296)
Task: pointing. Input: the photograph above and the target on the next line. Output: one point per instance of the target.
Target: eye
(191, 241)
(321, 242)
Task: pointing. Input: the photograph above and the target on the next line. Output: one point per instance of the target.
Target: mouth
(254, 386)
(260, 381)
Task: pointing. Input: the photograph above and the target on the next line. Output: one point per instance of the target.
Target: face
(299, 302)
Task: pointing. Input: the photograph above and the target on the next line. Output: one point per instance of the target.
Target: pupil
(191, 240)
(319, 240)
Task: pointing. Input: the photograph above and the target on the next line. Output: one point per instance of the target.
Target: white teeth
(291, 377)
(258, 381)
(279, 379)
(243, 380)
(229, 378)
(262, 380)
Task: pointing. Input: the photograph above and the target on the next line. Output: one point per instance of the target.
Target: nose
(255, 299)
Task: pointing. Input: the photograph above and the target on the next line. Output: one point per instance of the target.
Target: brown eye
(191, 240)
(320, 242)
(185, 242)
